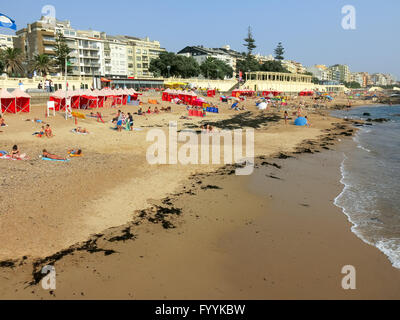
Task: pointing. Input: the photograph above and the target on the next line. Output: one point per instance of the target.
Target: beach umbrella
(301, 122)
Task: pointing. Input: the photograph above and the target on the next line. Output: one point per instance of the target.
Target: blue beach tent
(301, 122)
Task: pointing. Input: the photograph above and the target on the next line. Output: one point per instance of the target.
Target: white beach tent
(262, 106)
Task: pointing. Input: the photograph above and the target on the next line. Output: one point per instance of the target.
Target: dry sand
(228, 242)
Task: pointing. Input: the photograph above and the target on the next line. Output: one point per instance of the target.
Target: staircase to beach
(236, 86)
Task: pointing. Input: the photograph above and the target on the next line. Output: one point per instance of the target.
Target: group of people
(16, 154)
(123, 119)
(45, 131)
(298, 114)
(47, 86)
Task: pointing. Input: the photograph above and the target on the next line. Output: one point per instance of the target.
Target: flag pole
(66, 88)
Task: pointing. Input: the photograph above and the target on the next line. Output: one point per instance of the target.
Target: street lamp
(169, 69)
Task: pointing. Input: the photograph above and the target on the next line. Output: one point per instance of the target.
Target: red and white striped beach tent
(23, 100)
(76, 99)
(101, 96)
(119, 94)
(88, 100)
(59, 99)
(8, 102)
(109, 95)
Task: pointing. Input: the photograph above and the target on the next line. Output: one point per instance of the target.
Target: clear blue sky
(309, 29)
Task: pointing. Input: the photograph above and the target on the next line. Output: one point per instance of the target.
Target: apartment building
(140, 53)
(340, 72)
(200, 54)
(293, 66)
(320, 72)
(6, 41)
(93, 53)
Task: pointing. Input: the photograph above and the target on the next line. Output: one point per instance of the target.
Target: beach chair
(51, 106)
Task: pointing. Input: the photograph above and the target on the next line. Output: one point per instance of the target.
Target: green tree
(279, 52)
(352, 85)
(171, 64)
(1, 65)
(250, 42)
(249, 64)
(273, 66)
(62, 52)
(216, 69)
(42, 64)
(12, 60)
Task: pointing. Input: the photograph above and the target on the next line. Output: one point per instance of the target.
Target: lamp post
(169, 70)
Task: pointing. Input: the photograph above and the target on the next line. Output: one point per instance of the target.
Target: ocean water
(371, 179)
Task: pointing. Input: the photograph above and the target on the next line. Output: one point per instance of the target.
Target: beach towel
(48, 159)
(73, 155)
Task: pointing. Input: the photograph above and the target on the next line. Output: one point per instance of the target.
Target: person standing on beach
(286, 116)
(21, 85)
(47, 85)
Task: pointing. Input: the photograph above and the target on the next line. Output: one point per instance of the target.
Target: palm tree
(13, 61)
(42, 64)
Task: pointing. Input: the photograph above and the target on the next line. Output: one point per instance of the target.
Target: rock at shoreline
(380, 120)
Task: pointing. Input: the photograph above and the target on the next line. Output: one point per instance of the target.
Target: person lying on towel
(51, 156)
(81, 130)
(75, 153)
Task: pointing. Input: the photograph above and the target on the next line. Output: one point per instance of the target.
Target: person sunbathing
(48, 132)
(16, 154)
(75, 153)
(156, 111)
(81, 130)
(51, 156)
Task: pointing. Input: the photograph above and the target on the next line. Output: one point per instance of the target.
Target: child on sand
(2, 122)
(48, 132)
(130, 121)
(286, 116)
(308, 122)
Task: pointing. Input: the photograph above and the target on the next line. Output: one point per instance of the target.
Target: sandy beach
(135, 231)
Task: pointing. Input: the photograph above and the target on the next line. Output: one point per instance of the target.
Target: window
(138, 51)
(139, 65)
(139, 58)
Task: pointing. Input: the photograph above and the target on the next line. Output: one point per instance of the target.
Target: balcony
(89, 56)
(89, 47)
